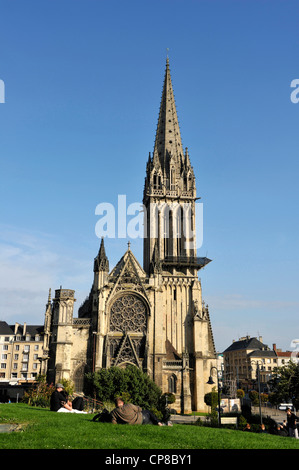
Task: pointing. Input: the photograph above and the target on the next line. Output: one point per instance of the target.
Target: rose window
(128, 313)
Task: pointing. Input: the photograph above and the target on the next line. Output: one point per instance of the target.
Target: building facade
(246, 358)
(152, 316)
(21, 350)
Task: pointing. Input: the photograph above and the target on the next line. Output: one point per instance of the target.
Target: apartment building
(247, 357)
(21, 349)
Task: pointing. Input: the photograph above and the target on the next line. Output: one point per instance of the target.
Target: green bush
(130, 383)
(254, 397)
(39, 394)
(211, 399)
(242, 421)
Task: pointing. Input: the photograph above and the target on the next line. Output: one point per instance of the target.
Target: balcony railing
(185, 261)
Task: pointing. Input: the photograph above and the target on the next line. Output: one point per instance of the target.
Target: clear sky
(83, 82)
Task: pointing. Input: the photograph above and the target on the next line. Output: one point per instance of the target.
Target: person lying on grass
(60, 402)
(133, 414)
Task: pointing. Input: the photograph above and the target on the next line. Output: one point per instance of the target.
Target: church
(152, 316)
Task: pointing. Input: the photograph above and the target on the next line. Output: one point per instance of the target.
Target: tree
(211, 399)
(130, 383)
(254, 397)
(284, 385)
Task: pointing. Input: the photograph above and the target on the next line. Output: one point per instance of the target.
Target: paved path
(277, 415)
(178, 419)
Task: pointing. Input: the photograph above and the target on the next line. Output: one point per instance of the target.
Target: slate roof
(5, 329)
(247, 343)
(262, 353)
(31, 330)
(9, 330)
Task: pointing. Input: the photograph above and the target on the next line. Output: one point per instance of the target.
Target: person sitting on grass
(60, 402)
(281, 431)
(247, 428)
(263, 429)
(133, 414)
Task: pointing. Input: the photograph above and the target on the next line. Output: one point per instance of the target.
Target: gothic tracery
(128, 313)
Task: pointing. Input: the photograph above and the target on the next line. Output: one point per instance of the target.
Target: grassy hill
(40, 428)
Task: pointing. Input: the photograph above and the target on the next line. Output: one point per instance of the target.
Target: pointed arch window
(167, 229)
(172, 384)
(179, 231)
(157, 181)
(185, 183)
(172, 179)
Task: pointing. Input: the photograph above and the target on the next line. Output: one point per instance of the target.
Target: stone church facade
(153, 316)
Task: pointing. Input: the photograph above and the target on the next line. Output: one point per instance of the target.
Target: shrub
(39, 394)
(130, 383)
(211, 399)
(68, 386)
(242, 422)
(264, 397)
(254, 397)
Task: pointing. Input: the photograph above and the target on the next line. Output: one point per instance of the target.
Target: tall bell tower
(170, 195)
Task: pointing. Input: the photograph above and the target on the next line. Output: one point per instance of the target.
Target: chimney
(16, 327)
(274, 346)
(24, 329)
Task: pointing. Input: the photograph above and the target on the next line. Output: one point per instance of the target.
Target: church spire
(168, 142)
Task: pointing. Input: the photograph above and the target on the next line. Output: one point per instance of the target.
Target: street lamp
(211, 382)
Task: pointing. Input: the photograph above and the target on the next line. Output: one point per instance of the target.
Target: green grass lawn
(43, 429)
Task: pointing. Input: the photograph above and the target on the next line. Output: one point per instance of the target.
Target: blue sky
(83, 82)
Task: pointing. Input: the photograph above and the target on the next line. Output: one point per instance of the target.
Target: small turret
(101, 262)
(100, 268)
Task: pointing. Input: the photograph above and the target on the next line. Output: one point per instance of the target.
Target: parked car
(285, 406)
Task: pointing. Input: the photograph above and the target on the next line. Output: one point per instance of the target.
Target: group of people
(289, 426)
(127, 413)
(123, 413)
(248, 428)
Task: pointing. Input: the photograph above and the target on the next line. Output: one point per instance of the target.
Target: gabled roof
(247, 343)
(171, 352)
(127, 259)
(128, 272)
